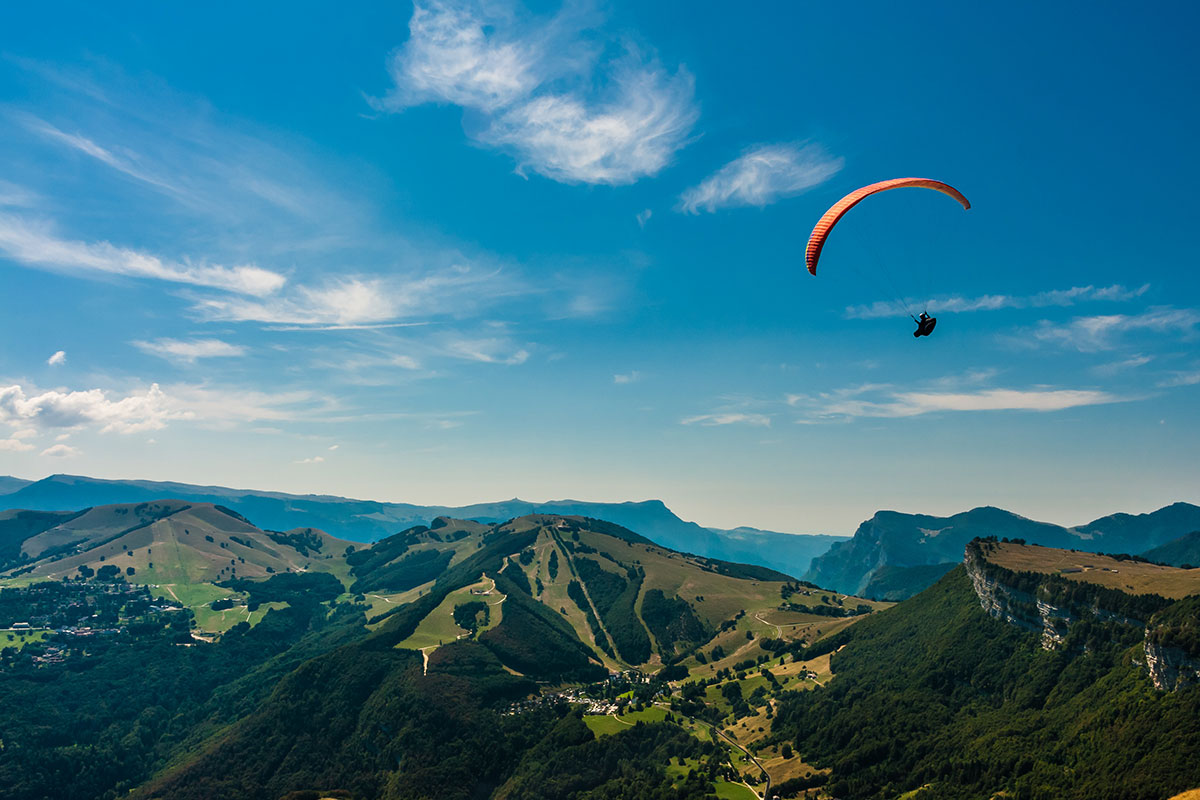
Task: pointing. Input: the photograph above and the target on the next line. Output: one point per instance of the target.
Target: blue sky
(469, 251)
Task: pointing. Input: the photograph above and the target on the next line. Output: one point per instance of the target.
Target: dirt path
(425, 657)
(167, 586)
(778, 630)
(753, 760)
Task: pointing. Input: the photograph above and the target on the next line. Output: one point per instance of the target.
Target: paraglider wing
(839, 209)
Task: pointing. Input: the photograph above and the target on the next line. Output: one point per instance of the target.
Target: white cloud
(995, 302)
(492, 350)
(16, 196)
(362, 301)
(190, 350)
(228, 406)
(13, 445)
(60, 451)
(643, 217)
(313, 460)
(1096, 333)
(1121, 365)
(53, 409)
(631, 134)
(334, 446)
(33, 245)
(848, 404)
(1181, 379)
(455, 55)
(728, 418)
(59, 357)
(761, 176)
(404, 362)
(82, 144)
(628, 377)
(542, 92)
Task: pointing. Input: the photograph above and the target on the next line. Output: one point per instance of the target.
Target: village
(54, 622)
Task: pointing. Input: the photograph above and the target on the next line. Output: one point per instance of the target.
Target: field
(605, 724)
(19, 639)
(1128, 576)
(438, 627)
(199, 597)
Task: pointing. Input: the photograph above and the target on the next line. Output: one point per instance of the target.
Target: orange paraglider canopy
(839, 209)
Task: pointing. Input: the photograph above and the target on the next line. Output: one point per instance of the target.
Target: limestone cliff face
(1171, 656)
(1171, 668)
(1015, 606)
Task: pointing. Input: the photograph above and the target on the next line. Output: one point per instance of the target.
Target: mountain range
(174, 649)
(893, 555)
(370, 521)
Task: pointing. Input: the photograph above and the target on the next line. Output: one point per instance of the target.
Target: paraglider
(831, 217)
(925, 325)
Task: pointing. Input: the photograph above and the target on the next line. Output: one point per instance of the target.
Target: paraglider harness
(924, 324)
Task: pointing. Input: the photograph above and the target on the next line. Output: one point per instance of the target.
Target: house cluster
(571, 696)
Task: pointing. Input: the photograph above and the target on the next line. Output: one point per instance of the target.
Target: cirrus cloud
(32, 244)
(188, 351)
(761, 176)
(542, 92)
(728, 418)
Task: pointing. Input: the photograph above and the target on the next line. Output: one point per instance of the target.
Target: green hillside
(186, 553)
(629, 601)
(1178, 552)
(448, 660)
(937, 698)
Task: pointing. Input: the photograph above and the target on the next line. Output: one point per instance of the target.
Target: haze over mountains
(370, 520)
(894, 555)
(891, 556)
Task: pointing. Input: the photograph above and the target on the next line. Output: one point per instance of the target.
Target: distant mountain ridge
(894, 555)
(1177, 552)
(370, 520)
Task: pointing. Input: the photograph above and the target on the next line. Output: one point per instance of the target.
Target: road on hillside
(734, 743)
(778, 630)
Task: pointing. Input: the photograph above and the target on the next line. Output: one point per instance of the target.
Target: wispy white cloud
(492, 350)
(995, 302)
(729, 418)
(628, 377)
(189, 350)
(34, 245)
(60, 451)
(761, 176)
(59, 357)
(365, 301)
(312, 460)
(1181, 378)
(1104, 332)
(456, 54)
(139, 411)
(228, 406)
(883, 401)
(1123, 364)
(643, 217)
(543, 92)
(16, 196)
(14, 443)
(126, 164)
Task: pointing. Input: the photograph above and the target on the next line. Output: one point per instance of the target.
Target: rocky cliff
(1052, 606)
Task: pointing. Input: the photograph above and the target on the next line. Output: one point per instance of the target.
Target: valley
(573, 638)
